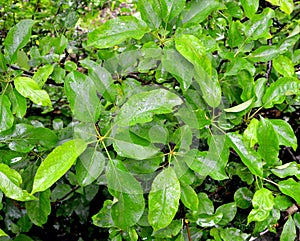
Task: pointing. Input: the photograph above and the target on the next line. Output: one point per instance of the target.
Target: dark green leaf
(89, 166)
(39, 210)
(197, 11)
(17, 38)
(209, 220)
(170, 231)
(18, 102)
(103, 218)
(116, 31)
(42, 74)
(249, 157)
(150, 12)
(264, 54)
(230, 234)
(129, 194)
(289, 230)
(6, 116)
(163, 199)
(141, 107)
(268, 142)
(243, 197)
(56, 164)
(228, 211)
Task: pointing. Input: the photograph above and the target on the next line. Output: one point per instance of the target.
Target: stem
(255, 112)
(186, 222)
(270, 181)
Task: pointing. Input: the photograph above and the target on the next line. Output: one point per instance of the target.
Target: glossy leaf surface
(57, 163)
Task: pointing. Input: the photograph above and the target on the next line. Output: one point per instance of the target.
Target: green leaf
(205, 204)
(235, 234)
(102, 79)
(235, 38)
(179, 67)
(284, 66)
(286, 6)
(248, 156)
(228, 211)
(116, 31)
(250, 7)
(10, 181)
(82, 95)
(128, 144)
(170, 231)
(258, 26)
(197, 11)
(194, 51)
(285, 133)
(42, 74)
(258, 215)
(243, 197)
(163, 199)
(89, 166)
(129, 194)
(2, 233)
(189, 197)
(171, 9)
(103, 218)
(23, 138)
(150, 12)
(240, 107)
(56, 164)
(278, 91)
(264, 54)
(7, 118)
(209, 220)
(250, 134)
(290, 188)
(18, 102)
(263, 199)
(238, 64)
(140, 107)
(39, 210)
(30, 89)
(289, 230)
(268, 142)
(288, 169)
(17, 37)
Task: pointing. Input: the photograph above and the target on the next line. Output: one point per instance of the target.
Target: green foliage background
(149, 120)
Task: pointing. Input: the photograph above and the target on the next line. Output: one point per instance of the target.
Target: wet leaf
(171, 9)
(189, 197)
(150, 12)
(284, 66)
(163, 199)
(30, 89)
(243, 197)
(290, 188)
(116, 31)
(289, 230)
(250, 7)
(141, 107)
(56, 164)
(7, 118)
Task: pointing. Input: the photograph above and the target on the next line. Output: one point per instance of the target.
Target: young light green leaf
(141, 107)
(2, 233)
(286, 6)
(288, 169)
(42, 74)
(150, 12)
(89, 166)
(6, 116)
(278, 91)
(17, 38)
(129, 194)
(189, 197)
(250, 7)
(289, 230)
(198, 11)
(285, 133)
(10, 181)
(248, 156)
(116, 31)
(240, 107)
(56, 164)
(39, 210)
(163, 199)
(263, 199)
(30, 89)
(264, 54)
(268, 142)
(258, 26)
(284, 66)
(290, 188)
(250, 133)
(170, 9)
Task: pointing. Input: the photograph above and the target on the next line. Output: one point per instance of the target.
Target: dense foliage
(152, 120)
